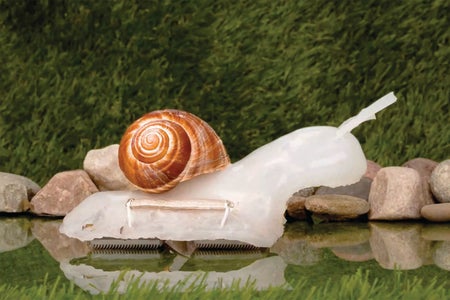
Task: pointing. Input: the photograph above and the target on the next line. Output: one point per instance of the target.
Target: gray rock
(439, 212)
(360, 189)
(62, 193)
(306, 192)
(424, 167)
(337, 207)
(16, 192)
(102, 165)
(396, 194)
(440, 181)
(398, 246)
(372, 169)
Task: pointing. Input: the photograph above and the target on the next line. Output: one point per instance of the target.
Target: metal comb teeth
(223, 245)
(119, 244)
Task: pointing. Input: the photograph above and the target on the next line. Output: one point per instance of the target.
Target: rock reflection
(294, 248)
(58, 245)
(436, 232)
(441, 255)
(356, 253)
(14, 233)
(329, 235)
(399, 245)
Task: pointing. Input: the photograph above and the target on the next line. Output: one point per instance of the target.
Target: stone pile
(419, 189)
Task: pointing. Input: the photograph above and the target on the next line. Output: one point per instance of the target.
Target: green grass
(354, 286)
(74, 74)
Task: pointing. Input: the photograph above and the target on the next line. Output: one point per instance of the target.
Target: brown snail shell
(165, 147)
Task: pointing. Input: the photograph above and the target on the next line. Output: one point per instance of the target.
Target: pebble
(424, 167)
(440, 181)
(360, 189)
(16, 192)
(439, 212)
(62, 193)
(102, 165)
(372, 169)
(396, 194)
(337, 207)
(296, 208)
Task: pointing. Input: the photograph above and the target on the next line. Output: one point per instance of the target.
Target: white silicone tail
(366, 114)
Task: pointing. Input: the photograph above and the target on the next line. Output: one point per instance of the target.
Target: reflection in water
(59, 246)
(399, 245)
(263, 273)
(14, 233)
(392, 245)
(441, 255)
(357, 253)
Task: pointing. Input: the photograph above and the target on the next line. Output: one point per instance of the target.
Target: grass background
(74, 74)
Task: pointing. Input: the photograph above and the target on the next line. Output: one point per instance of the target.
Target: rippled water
(33, 248)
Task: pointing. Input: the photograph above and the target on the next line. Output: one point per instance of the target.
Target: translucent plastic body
(258, 187)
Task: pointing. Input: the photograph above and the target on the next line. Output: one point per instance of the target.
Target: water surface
(32, 250)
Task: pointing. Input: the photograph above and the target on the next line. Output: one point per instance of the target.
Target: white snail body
(254, 191)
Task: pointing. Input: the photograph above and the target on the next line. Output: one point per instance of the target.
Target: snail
(165, 147)
(244, 201)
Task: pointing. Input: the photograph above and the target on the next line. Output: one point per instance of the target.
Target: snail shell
(165, 147)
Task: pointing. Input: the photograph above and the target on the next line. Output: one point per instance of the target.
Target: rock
(336, 207)
(60, 247)
(398, 246)
(372, 169)
(62, 193)
(306, 192)
(361, 189)
(424, 167)
(16, 192)
(441, 256)
(296, 208)
(396, 194)
(440, 181)
(439, 212)
(102, 165)
(14, 233)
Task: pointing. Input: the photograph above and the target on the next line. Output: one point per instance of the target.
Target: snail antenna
(366, 114)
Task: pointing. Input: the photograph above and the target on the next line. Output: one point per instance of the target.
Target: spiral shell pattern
(165, 147)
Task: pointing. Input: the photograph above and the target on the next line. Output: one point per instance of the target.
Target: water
(32, 250)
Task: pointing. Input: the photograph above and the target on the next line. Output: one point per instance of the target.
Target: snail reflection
(243, 201)
(302, 244)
